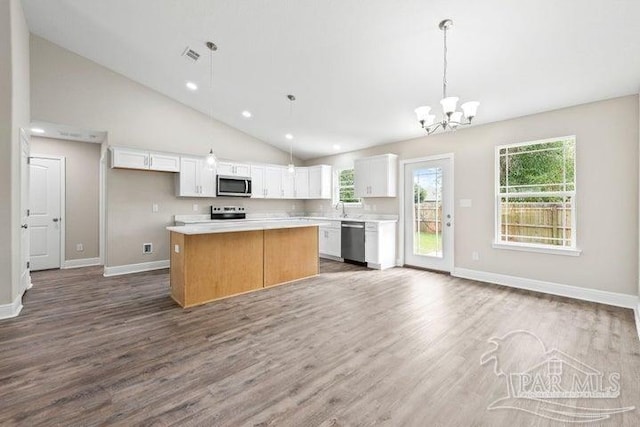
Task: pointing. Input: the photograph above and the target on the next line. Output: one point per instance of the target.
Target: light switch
(465, 203)
(79, 247)
(155, 207)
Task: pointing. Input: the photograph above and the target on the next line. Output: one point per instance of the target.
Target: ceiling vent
(191, 54)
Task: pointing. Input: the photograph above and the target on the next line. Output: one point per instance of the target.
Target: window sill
(539, 249)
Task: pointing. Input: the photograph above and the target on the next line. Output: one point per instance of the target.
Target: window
(536, 191)
(345, 190)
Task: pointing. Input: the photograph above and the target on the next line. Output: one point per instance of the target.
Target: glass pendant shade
(457, 118)
(449, 104)
(423, 113)
(211, 158)
(429, 120)
(470, 109)
(291, 168)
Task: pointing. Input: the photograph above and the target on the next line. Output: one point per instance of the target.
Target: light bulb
(211, 158)
(291, 168)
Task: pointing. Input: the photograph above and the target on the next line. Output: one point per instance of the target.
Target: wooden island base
(207, 267)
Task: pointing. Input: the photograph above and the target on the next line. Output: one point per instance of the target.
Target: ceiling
(357, 67)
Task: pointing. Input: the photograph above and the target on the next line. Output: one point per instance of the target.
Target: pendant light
(290, 167)
(211, 157)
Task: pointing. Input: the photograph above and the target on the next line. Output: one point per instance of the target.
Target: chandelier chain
(444, 75)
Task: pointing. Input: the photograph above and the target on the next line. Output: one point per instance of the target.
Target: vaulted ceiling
(357, 67)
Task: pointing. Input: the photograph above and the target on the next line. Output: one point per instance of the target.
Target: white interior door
(428, 214)
(24, 208)
(45, 216)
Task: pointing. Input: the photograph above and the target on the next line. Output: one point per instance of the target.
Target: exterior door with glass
(428, 214)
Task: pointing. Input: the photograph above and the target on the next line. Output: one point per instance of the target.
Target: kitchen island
(218, 260)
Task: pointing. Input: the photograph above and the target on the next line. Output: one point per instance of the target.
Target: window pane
(346, 192)
(346, 177)
(541, 220)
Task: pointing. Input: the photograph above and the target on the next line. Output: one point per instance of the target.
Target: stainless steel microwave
(234, 186)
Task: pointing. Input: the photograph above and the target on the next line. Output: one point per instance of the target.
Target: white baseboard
(586, 294)
(135, 268)
(11, 310)
(331, 257)
(84, 262)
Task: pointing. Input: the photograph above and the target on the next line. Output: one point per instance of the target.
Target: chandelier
(451, 118)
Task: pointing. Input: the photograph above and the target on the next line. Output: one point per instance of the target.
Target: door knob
(449, 224)
(56, 219)
(25, 226)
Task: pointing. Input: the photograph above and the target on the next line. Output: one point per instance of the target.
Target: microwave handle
(246, 186)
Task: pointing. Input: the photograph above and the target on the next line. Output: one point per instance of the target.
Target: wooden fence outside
(540, 222)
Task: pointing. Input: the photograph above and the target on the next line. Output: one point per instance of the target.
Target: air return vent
(191, 54)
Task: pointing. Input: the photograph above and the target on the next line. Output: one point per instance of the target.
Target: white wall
(607, 198)
(71, 90)
(14, 114)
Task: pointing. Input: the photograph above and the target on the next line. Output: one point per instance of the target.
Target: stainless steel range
(228, 212)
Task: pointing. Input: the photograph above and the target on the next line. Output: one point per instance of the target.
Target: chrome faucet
(344, 213)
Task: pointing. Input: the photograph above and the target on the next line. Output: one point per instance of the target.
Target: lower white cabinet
(380, 244)
(329, 240)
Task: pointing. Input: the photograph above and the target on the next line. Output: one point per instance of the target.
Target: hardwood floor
(348, 347)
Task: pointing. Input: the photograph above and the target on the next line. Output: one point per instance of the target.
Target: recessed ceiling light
(192, 86)
(288, 136)
(336, 147)
(246, 114)
(37, 130)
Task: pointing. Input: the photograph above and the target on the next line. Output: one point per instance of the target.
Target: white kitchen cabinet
(258, 185)
(380, 245)
(273, 182)
(288, 184)
(196, 178)
(129, 158)
(319, 182)
(301, 182)
(376, 176)
(233, 169)
(329, 240)
(164, 162)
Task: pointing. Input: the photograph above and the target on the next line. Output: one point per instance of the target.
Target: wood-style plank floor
(348, 347)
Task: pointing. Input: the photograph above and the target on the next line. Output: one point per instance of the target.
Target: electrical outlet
(195, 207)
(154, 208)
(147, 248)
(475, 256)
(176, 248)
(79, 247)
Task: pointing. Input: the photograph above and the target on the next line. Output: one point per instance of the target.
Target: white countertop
(229, 226)
(205, 219)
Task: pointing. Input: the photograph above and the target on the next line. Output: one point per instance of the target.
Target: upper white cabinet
(129, 158)
(288, 184)
(319, 182)
(164, 162)
(196, 178)
(301, 180)
(273, 182)
(258, 187)
(233, 169)
(376, 176)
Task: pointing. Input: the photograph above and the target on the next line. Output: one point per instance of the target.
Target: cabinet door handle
(150, 161)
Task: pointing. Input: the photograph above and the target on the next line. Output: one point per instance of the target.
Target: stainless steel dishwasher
(353, 241)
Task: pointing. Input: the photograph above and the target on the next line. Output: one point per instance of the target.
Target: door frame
(63, 200)
(401, 198)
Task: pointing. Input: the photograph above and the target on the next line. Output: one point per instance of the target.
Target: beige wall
(82, 184)
(607, 198)
(71, 90)
(14, 114)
